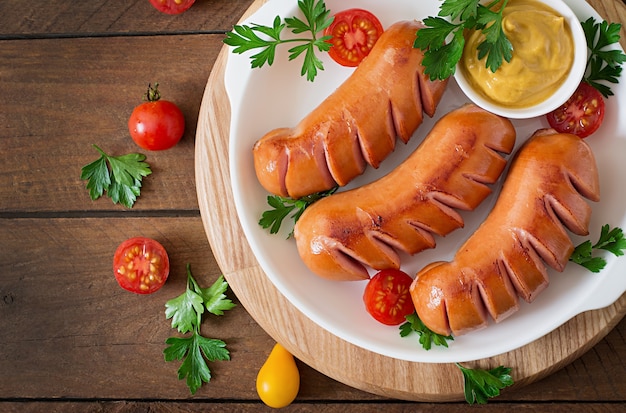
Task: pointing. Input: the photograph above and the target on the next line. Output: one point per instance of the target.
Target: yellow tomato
(278, 380)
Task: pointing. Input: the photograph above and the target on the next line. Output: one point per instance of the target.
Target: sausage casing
(384, 98)
(504, 259)
(339, 236)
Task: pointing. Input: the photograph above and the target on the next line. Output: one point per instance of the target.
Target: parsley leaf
(184, 310)
(496, 46)
(427, 337)
(480, 385)
(215, 301)
(441, 57)
(611, 240)
(316, 18)
(186, 313)
(193, 351)
(462, 9)
(283, 206)
(119, 176)
(603, 64)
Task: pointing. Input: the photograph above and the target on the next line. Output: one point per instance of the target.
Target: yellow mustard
(543, 53)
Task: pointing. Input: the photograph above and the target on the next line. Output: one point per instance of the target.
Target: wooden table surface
(71, 339)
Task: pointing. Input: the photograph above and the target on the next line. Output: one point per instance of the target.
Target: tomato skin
(278, 380)
(581, 115)
(387, 297)
(354, 33)
(172, 6)
(141, 265)
(156, 126)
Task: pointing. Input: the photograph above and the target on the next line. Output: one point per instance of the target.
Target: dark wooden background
(70, 339)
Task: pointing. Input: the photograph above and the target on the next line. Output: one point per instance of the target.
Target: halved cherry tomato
(354, 32)
(141, 265)
(581, 115)
(157, 124)
(172, 6)
(387, 297)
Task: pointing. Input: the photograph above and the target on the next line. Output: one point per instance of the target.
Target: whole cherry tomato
(278, 380)
(581, 115)
(354, 33)
(141, 265)
(387, 297)
(156, 124)
(172, 6)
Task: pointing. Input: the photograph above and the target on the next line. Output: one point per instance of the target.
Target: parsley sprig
(119, 176)
(480, 385)
(603, 63)
(186, 313)
(283, 206)
(611, 240)
(441, 55)
(316, 19)
(426, 336)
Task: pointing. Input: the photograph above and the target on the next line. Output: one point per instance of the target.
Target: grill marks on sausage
(358, 124)
(339, 237)
(525, 233)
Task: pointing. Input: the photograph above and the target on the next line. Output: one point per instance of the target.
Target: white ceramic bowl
(560, 95)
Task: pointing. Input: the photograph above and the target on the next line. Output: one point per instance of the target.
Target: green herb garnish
(316, 19)
(611, 240)
(283, 206)
(119, 176)
(441, 57)
(427, 337)
(603, 64)
(186, 313)
(480, 385)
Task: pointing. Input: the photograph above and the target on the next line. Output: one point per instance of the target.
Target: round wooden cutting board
(317, 347)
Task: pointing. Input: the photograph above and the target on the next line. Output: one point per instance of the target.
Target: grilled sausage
(503, 259)
(338, 236)
(356, 125)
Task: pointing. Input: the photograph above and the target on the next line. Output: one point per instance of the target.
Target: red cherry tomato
(581, 115)
(354, 32)
(387, 297)
(172, 6)
(156, 124)
(141, 265)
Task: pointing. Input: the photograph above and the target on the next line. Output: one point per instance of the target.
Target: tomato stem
(153, 94)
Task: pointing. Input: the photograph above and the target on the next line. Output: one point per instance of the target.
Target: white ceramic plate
(277, 96)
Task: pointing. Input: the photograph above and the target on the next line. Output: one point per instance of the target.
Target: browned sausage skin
(356, 125)
(502, 260)
(338, 236)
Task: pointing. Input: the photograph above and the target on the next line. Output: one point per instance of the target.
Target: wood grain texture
(331, 407)
(70, 338)
(315, 346)
(89, 102)
(33, 18)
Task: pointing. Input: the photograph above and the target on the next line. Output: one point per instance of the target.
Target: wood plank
(72, 332)
(89, 102)
(248, 407)
(32, 18)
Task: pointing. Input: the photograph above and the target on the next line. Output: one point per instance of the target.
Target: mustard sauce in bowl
(548, 62)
